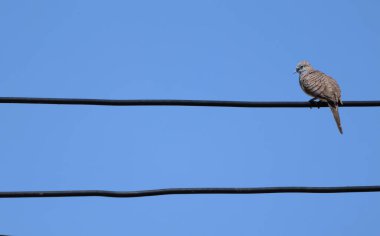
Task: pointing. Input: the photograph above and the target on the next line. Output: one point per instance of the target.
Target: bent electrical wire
(188, 191)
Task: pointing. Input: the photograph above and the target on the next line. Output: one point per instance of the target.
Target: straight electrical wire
(170, 102)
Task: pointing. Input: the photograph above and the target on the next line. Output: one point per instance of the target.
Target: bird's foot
(314, 103)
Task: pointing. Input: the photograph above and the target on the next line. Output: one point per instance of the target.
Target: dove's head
(303, 66)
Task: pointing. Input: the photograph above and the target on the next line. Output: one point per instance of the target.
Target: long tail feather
(334, 109)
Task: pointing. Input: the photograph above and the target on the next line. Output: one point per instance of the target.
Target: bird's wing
(321, 86)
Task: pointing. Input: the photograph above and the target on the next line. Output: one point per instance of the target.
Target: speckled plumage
(321, 86)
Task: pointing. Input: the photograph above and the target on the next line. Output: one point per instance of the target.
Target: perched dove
(320, 86)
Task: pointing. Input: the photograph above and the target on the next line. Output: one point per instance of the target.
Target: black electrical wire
(169, 102)
(179, 191)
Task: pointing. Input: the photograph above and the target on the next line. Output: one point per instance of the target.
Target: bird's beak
(295, 72)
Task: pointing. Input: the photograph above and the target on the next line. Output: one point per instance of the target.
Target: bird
(320, 86)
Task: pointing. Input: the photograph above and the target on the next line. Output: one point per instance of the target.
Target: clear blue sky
(199, 49)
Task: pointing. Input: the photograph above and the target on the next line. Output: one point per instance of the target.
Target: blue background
(199, 49)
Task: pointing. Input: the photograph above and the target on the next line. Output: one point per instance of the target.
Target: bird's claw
(314, 103)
